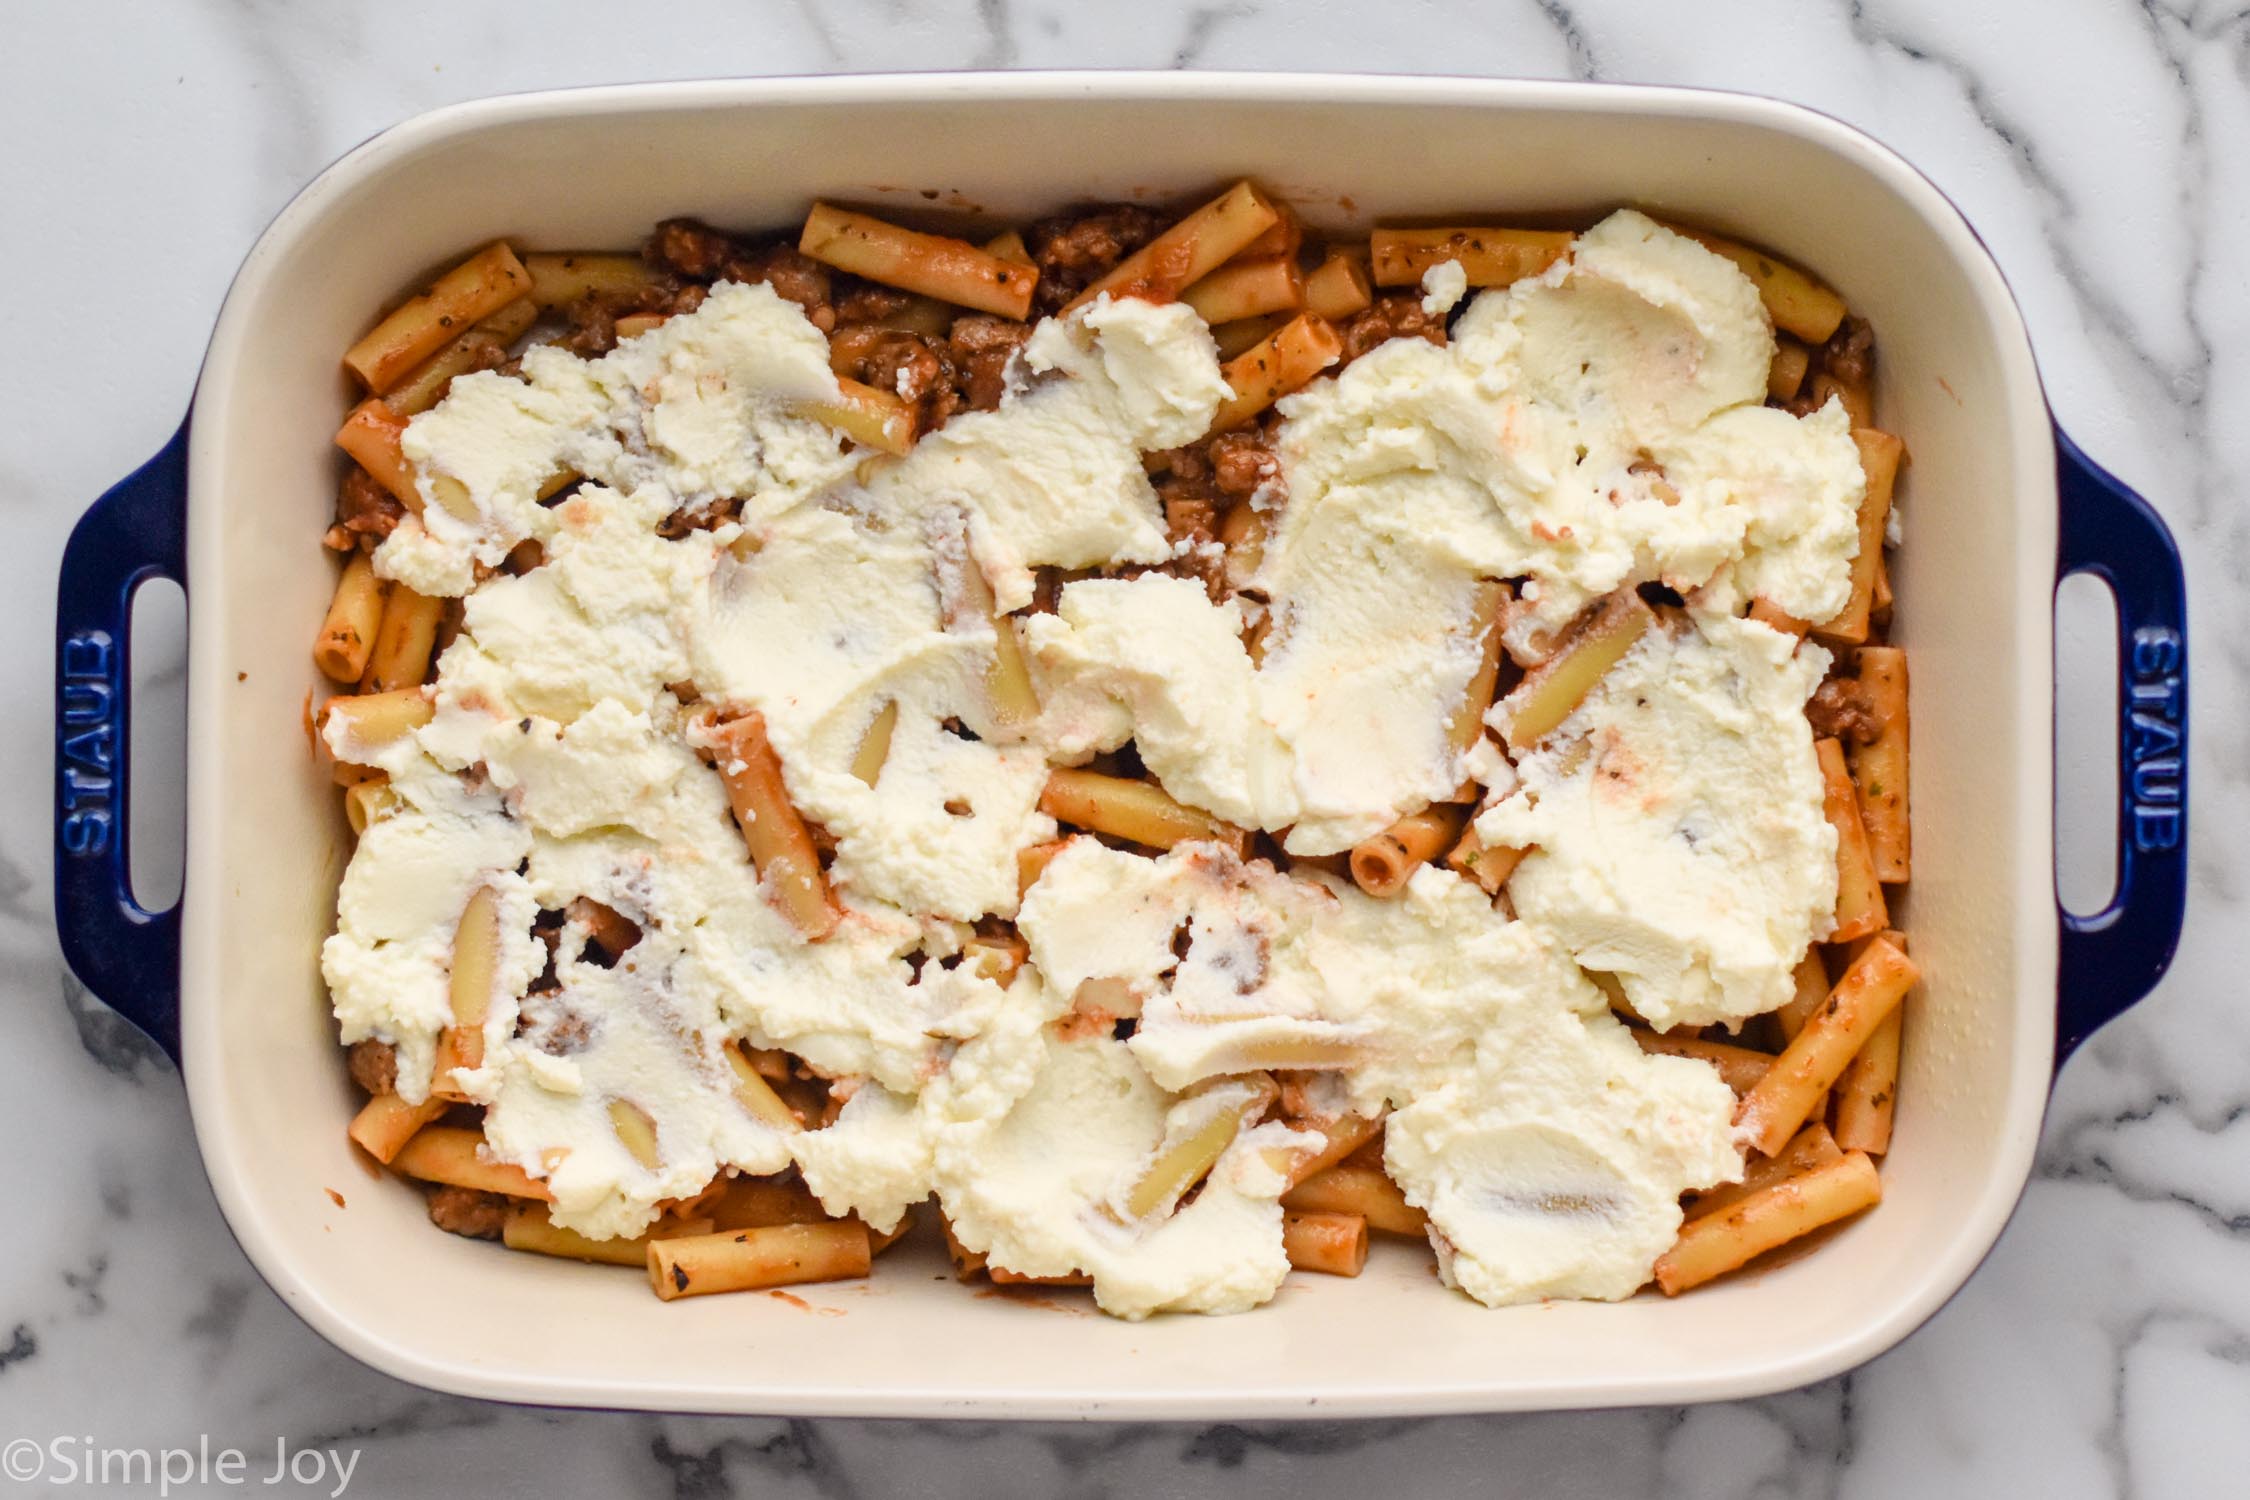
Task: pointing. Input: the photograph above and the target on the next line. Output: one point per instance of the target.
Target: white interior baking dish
(253, 475)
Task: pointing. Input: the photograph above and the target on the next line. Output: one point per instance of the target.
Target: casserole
(229, 980)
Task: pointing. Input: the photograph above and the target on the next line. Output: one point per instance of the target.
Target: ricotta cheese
(856, 610)
(1549, 1150)
(1204, 945)
(557, 765)
(1038, 1190)
(1443, 287)
(1552, 1164)
(1675, 823)
(1594, 427)
(705, 406)
(1543, 440)
(833, 622)
(614, 808)
(1054, 476)
(625, 1038)
(879, 1157)
(1339, 731)
(1599, 426)
(389, 963)
(1032, 1143)
(1151, 659)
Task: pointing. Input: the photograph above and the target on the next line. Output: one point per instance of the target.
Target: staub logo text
(86, 746)
(2153, 742)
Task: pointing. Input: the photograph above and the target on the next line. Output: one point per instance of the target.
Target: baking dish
(1999, 504)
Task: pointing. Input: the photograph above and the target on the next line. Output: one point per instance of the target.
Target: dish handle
(2112, 957)
(127, 955)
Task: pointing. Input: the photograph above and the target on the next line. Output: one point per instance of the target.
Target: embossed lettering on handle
(86, 753)
(2156, 746)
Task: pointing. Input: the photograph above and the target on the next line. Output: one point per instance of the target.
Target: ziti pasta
(1181, 740)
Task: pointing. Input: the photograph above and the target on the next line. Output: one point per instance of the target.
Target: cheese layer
(557, 764)
(1675, 823)
(1588, 430)
(1548, 1148)
(1600, 426)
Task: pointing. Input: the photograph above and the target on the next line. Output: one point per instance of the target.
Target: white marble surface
(2098, 146)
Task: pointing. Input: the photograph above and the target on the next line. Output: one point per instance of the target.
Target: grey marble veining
(2098, 145)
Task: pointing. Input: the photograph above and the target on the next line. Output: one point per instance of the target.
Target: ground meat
(593, 320)
(374, 1066)
(981, 348)
(690, 248)
(1204, 481)
(697, 518)
(1224, 470)
(1846, 360)
(465, 1211)
(450, 616)
(1392, 315)
(1074, 250)
(1046, 588)
(862, 302)
(365, 511)
(1849, 354)
(593, 329)
(1204, 563)
(695, 250)
(964, 370)
(1191, 519)
(1242, 462)
(918, 369)
(1192, 508)
(1840, 709)
(798, 278)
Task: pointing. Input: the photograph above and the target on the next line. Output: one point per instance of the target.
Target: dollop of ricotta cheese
(1039, 1189)
(1675, 823)
(707, 406)
(1054, 476)
(1549, 1150)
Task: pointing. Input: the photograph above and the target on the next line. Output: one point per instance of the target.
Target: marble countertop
(2096, 144)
